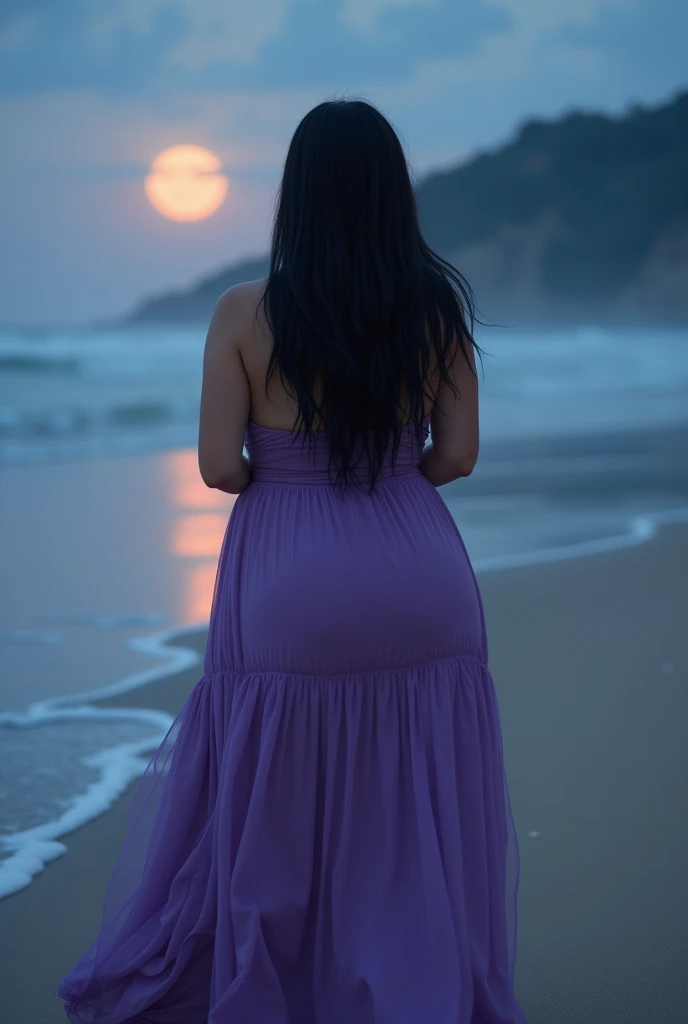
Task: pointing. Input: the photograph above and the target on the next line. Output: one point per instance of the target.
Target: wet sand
(590, 662)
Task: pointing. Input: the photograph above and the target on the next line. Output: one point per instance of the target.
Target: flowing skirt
(325, 835)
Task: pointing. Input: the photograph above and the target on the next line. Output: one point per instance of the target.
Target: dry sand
(590, 661)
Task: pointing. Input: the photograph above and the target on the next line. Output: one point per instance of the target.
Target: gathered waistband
(321, 478)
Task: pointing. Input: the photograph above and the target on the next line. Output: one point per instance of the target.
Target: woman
(325, 836)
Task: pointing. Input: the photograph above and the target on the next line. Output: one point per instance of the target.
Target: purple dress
(325, 835)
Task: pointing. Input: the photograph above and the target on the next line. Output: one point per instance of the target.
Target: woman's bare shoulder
(240, 301)
(240, 317)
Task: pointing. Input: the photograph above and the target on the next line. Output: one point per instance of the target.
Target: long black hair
(355, 298)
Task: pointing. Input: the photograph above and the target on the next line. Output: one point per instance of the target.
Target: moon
(185, 183)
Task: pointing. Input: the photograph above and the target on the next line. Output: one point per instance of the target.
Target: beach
(162, 166)
(590, 661)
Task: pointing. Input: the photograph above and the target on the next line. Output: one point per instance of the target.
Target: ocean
(110, 539)
(82, 393)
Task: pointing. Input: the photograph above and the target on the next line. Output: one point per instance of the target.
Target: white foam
(641, 528)
(33, 848)
(30, 850)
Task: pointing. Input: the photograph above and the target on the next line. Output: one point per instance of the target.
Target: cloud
(214, 29)
(218, 30)
(130, 47)
(532, 37)
(363, 15)
(533, 18)
(18, 33)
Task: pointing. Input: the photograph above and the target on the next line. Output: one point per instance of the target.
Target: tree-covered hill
(603, 201)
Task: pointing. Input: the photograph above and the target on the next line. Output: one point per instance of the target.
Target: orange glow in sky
(185, 183)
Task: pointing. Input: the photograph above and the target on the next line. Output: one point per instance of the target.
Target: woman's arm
(439, 472)
(454, 427)
(225, 399)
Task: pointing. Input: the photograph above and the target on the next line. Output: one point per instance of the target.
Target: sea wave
(33, 363)
(79, 394)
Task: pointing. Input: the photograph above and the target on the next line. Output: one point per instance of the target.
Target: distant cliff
(579, 220)
(196, 304)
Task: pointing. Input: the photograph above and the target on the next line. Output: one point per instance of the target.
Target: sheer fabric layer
(350, 856)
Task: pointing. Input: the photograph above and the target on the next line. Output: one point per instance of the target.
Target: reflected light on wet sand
(197, 532)
(198, 593)
(187, 487)
(198, 535)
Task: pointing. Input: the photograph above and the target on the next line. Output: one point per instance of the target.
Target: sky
(92, 90)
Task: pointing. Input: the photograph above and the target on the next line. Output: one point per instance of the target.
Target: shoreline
(148, 695)
(589, 658)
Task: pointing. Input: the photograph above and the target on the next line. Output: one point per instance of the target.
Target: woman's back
(255, 342)
(240, 333)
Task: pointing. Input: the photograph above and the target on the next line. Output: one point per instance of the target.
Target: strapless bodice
(282, 456)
